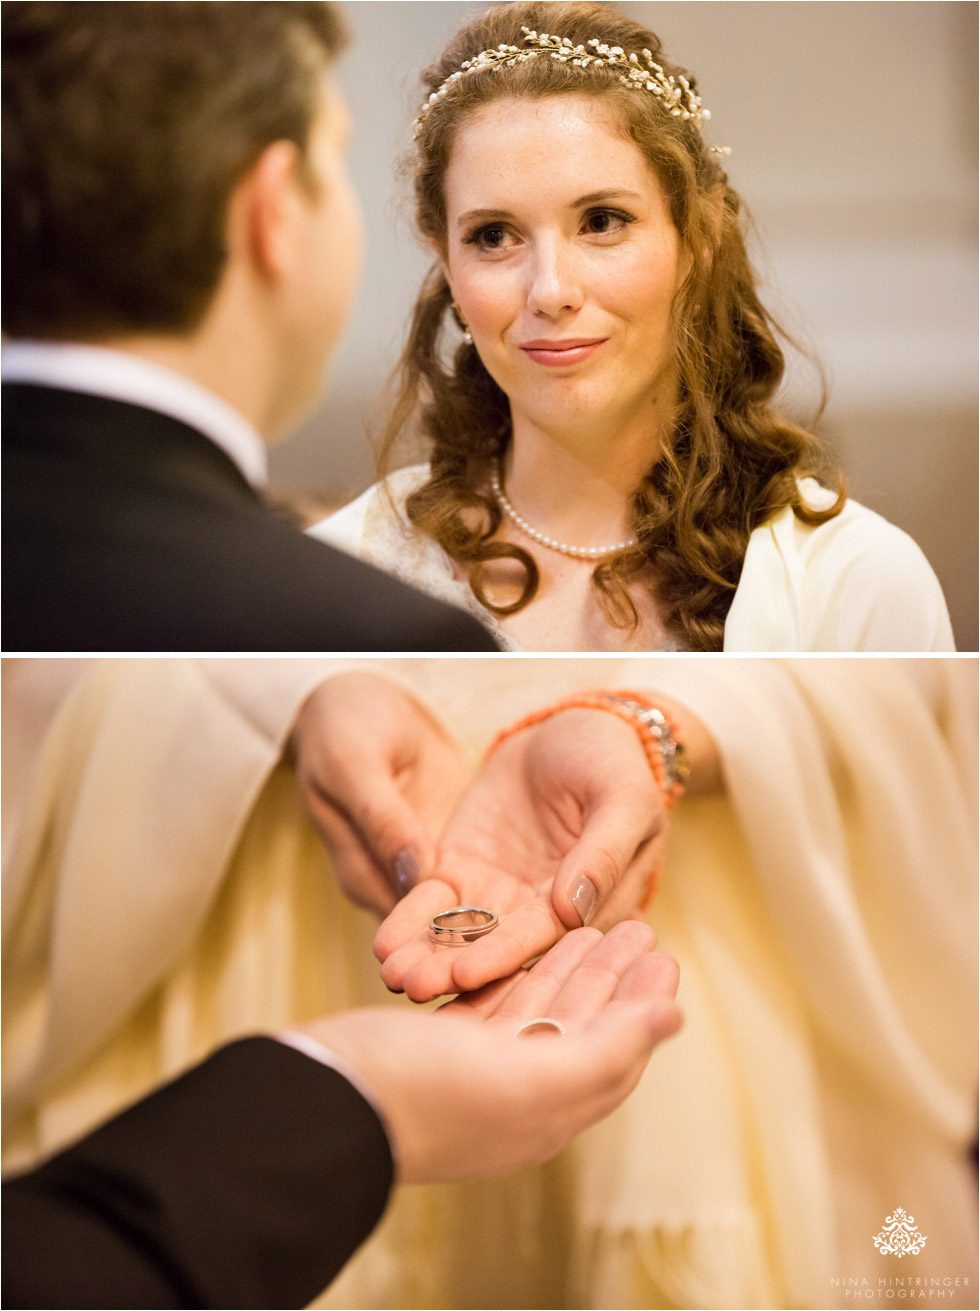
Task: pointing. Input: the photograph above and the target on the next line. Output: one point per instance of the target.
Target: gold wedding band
(542, 1022)
(461, 925)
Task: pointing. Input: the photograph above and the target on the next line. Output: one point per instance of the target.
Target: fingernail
(584, 897)
(407, 871)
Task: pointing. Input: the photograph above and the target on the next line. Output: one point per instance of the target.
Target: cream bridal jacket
(856, 583)
(164, 892)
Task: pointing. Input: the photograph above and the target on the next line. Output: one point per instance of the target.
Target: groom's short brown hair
(126, 127)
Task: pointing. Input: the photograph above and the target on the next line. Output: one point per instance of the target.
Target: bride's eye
(606, 222)
(491, 237)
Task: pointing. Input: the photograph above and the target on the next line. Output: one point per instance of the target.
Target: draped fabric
(163, 892)
(854, 583)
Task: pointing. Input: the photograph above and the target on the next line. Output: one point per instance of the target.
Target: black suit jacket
(247, 1182)
(124, 529)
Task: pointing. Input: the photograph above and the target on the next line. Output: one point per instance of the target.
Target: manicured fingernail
(584, 897)
(407, 871)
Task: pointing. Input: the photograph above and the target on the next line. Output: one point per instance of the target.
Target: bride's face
(563, 259)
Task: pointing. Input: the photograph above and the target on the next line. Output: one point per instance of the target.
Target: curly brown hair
(728, 463)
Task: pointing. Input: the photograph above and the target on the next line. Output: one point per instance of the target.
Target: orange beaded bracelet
(655, 727)
(657, 730)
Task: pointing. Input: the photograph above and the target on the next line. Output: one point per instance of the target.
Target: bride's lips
(562, 352)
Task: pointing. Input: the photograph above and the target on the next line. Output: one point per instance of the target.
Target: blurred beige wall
(853, 129)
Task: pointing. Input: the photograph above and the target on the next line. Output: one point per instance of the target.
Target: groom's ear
(264, 210)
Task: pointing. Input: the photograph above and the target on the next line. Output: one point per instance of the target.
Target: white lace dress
(855, 583)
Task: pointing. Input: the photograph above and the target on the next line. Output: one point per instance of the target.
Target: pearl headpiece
(675, 93)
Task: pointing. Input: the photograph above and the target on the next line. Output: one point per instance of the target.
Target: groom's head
(149, 148)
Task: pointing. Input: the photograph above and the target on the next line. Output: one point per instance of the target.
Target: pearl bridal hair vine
(676, 94)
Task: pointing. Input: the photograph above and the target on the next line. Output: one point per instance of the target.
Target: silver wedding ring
(462, 924)
(541, 1024)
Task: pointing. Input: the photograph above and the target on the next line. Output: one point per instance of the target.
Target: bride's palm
(569, 800)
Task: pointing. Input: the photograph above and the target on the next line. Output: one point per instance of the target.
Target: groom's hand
(564, 825)
(464, 1097)
(379, 777)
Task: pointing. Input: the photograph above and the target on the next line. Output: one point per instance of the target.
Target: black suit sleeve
(247, 1182)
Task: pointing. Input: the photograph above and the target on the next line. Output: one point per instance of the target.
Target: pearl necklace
(578, 552)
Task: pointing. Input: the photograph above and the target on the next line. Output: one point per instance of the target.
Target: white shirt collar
(120, 376)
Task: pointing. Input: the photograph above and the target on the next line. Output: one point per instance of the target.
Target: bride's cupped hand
(562, 826)
(379, 778)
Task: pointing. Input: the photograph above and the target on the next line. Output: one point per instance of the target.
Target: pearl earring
(461, 323)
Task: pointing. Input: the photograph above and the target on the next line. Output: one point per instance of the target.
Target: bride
(606, 469)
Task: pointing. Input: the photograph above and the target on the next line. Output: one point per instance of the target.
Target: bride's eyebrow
(593, 198)
(482, 216)
(597, 197)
